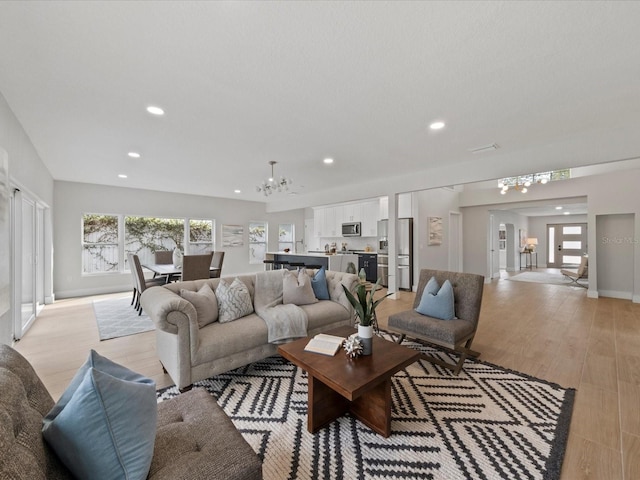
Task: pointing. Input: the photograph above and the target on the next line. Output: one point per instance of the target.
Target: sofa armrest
(172, 314)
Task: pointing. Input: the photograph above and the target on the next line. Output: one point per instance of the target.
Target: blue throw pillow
(319, 285)
(437, 302)
(104, 425)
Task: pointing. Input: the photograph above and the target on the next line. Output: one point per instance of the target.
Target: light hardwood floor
(552, 332)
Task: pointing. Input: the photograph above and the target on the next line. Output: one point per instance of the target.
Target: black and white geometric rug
(116, 317)
(486, 423)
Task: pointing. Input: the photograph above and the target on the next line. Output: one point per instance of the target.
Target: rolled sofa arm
(172, 314)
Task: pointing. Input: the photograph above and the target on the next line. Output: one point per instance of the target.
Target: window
(257, 241)
(201, 235)
(106, 239)
(144, 235)
(285, 236)
(572, 230)
(100, 243)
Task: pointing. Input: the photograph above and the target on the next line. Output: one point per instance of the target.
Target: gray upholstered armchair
(454, 335)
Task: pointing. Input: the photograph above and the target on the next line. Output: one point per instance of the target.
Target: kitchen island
(336, 262)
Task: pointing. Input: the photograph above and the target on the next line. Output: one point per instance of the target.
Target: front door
(567, 244)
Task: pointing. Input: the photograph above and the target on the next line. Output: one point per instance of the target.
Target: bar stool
(268, 264)
(278, 264)
(316, 267)
(297, 265)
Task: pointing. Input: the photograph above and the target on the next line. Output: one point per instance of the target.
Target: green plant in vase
(365, 307)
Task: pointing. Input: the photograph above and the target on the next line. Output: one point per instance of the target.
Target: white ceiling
(554, 84)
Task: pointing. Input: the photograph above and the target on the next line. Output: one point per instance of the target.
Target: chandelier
(271, 185)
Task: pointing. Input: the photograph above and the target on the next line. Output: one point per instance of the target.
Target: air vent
(485, 148)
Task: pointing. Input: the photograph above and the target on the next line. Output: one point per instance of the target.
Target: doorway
(567, 244)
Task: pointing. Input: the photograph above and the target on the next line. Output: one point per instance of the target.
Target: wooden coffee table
(361, 386)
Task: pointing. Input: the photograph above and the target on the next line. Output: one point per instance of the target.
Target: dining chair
(218, 258)
(195, 267)
(140, 282)
(163, 257)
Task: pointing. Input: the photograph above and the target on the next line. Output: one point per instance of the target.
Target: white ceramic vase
(366, 337)
(177, 257)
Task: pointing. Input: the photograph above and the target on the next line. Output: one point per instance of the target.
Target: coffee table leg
(373, 408)
(323, 405)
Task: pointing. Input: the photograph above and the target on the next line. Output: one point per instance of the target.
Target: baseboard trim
(91, 291)
(616, 294)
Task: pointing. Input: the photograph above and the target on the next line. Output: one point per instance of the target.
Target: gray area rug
(117, 318)
(486, 423)
(546, 277)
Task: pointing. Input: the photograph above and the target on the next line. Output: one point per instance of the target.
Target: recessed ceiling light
(153, 110)
(237, 191)
(567, 213)
(134, 154)
(558, 208)
(122, 175)
(328, 160)
(436, 125)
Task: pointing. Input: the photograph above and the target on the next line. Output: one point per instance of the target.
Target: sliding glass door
(28, 250)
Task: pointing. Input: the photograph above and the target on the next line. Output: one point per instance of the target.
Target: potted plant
(365, 308)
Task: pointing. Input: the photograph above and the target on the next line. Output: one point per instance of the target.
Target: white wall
(27, 172)
(614, 249)
(74, 199)
(607, 194)
(432, 203)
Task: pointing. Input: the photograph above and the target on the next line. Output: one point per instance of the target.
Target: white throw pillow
(205, 302)
(297, 289)
(234, 300)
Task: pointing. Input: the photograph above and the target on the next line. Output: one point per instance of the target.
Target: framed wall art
(435, 230)
(232, 235)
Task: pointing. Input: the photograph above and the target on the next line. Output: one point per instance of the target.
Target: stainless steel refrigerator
(405, 254)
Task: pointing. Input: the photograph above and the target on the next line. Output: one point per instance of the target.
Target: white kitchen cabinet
(351, 212)
(318, 222)
(369, 219)
(331, 222)
(327, 221)
(383, 213)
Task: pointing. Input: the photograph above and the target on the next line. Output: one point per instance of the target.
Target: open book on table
(324, 344)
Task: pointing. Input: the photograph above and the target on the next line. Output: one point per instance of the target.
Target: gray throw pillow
(205, 302)
(297, 289)
(234, 300)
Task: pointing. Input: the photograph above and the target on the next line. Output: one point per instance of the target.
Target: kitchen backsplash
(353, 243)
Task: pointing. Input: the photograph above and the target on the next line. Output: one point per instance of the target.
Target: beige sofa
(190, 353)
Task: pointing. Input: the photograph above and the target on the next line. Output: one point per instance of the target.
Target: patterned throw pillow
(205, 302)
(234, 300)
(297, 289)
(437, 302)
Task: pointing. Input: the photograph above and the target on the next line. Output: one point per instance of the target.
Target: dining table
(168, 270)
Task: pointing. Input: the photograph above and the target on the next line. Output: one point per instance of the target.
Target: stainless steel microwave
(351, 229)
